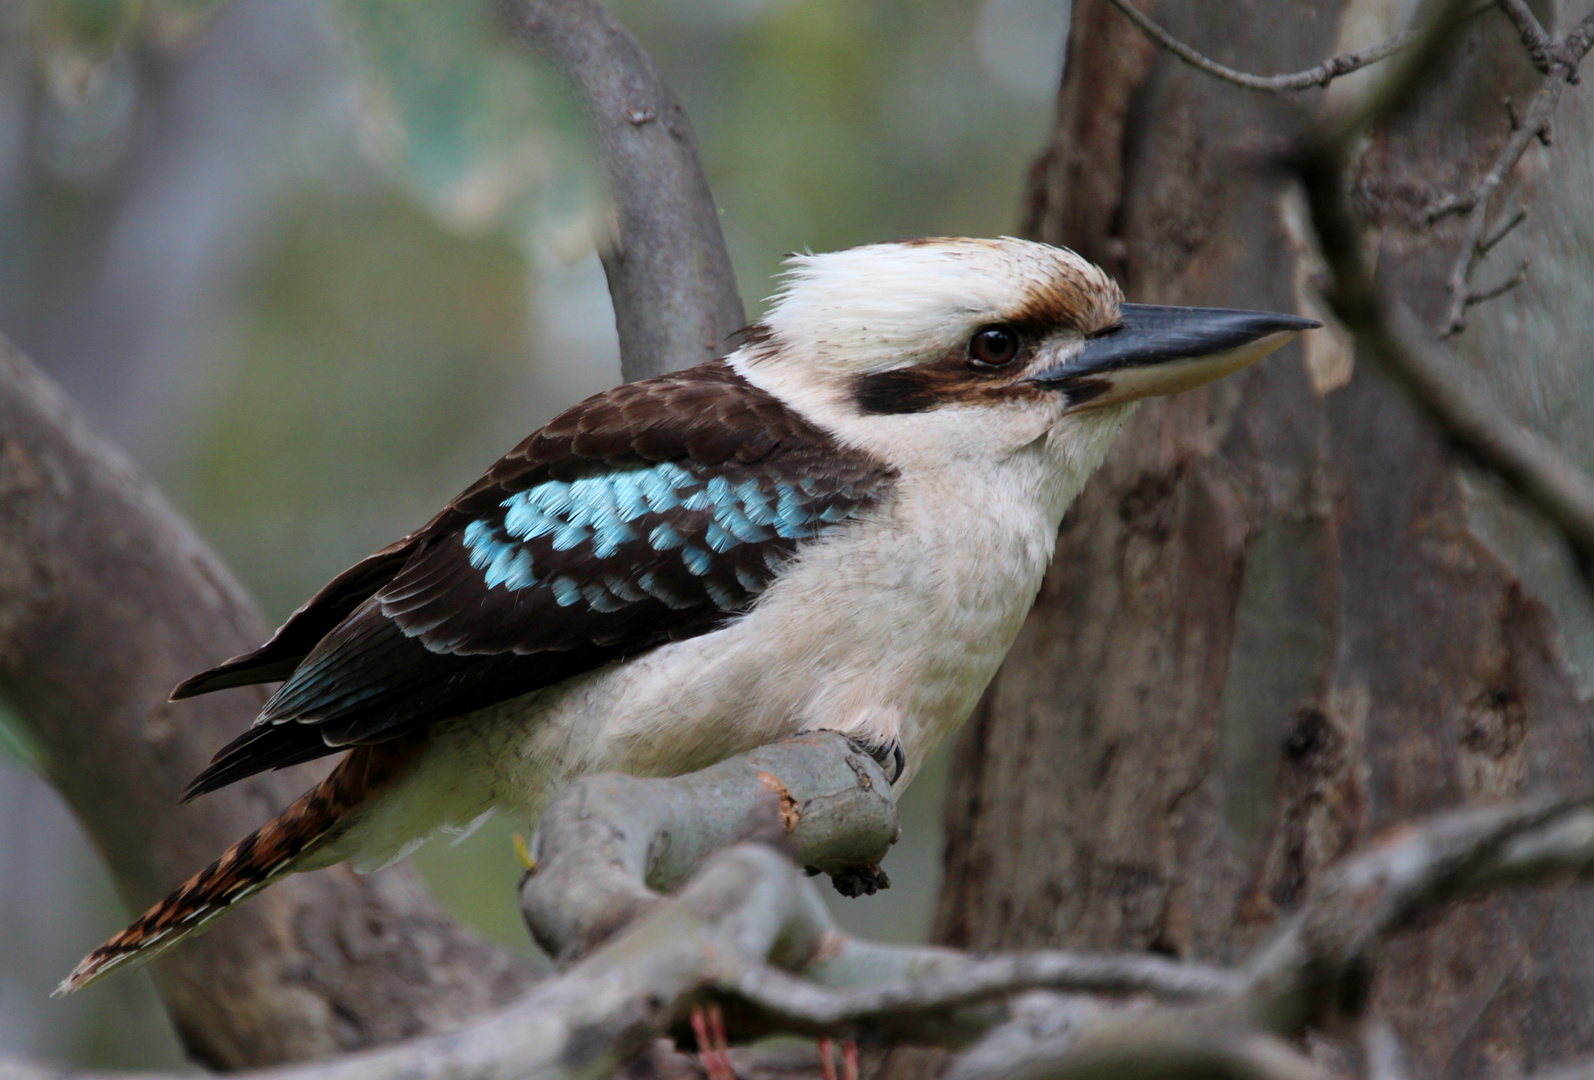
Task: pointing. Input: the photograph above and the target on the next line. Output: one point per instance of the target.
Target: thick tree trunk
(1272, 628)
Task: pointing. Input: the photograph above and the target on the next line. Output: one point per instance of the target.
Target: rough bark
(106, 601)
(1271, 630)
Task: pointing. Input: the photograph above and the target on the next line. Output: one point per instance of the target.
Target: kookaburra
(841, 524)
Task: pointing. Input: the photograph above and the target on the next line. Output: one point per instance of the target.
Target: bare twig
(1559, 61)
(1487, 244)
(1512, 282)
(1166, 1043)
(1320, 75)
(1542, 48)
(946, 981)
(1524, 460)
(670, 276)
(1530, 464)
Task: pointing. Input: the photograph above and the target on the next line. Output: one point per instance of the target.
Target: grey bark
(1274, 625)
(107, 600)
(744, 929)
(670, 276)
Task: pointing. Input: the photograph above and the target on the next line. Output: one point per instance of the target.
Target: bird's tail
(282, 846)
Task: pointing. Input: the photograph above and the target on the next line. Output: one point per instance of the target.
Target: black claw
(890, 757)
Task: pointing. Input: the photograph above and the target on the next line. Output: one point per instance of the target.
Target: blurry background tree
(315, 265)
(1284, 616)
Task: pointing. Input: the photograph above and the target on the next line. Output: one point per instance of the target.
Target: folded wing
(652, 513)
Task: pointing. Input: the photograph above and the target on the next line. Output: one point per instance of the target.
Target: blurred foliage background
(316, 263)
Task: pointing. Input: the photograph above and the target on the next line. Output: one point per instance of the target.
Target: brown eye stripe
(922, 387)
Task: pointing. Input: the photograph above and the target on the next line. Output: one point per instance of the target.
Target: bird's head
(951, 348)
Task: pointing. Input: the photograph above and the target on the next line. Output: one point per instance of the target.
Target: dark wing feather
(277, 658)
(652, 513)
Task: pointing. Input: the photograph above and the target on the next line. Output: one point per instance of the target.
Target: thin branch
(1542, 48)
(1434, 381)
(1514, 281)
(1476, 201)
(1532, 466)
(1488, 243)
(1126, 1043)
(1559, 60)
(670, 276)
(1300, 975)
(1318, 76)
(789, 1003)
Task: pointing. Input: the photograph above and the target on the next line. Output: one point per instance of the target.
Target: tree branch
(1431, 379)
(1318, 76)
(670, 276)
(1566, 55)
(1542, 48)
(748, 929)
(106, 600)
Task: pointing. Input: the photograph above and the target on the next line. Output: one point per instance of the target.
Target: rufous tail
(278, 848)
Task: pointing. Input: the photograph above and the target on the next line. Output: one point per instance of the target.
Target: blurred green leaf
(482, 134)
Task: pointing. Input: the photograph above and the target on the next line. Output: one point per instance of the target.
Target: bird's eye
(993, 346)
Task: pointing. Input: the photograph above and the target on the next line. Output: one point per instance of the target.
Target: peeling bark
(1270, 631)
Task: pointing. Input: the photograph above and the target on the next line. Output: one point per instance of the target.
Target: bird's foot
(713, 1050)
(888, 755)
(849, 1060)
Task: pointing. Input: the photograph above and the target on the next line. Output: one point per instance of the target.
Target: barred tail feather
(278, 848)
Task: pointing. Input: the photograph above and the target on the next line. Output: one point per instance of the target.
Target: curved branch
(1318, 76)
(1301, 974)
(749, 930)
(107, 599)
(670, 276)
(608, 845)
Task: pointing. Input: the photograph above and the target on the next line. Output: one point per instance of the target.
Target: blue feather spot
(698, 561)
(740, 526)
(665, 538)
(565, 590)
(611, 533)
(719, 538)
(571, 535)
(598, 598)
(749, 581)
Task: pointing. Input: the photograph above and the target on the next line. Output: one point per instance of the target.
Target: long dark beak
(1162, 350)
